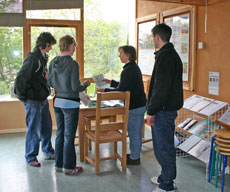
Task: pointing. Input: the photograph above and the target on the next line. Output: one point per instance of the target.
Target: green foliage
(10, 56)
(101, 42)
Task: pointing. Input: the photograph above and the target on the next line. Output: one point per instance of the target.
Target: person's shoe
(154, 181)
(161, 190)
(35, 164)
(132, 161)
(52, 157)
(76, 171)
(59, 170)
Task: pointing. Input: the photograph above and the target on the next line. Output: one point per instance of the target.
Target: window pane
(180, 39)
(105, 29)
(57, 14)
(11, 6)
(11, 56)
(57, 32)
(146, 47)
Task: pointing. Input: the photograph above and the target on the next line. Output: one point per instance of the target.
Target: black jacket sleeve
(23, 79)
(126, 78)
(163, 78)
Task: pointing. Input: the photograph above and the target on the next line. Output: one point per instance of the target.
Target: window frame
(78, 25)
(192, 11)
(142, 20)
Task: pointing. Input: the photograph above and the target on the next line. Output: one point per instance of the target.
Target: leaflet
(192, 101)
(213, 108)
(98, 80)
(225, 118)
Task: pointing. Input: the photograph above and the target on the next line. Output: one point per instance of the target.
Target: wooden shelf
(183, 131)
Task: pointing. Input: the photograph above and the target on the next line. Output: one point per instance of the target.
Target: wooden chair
(146, 82)
(107, 132)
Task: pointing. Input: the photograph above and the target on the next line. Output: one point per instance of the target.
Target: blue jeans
(67, 121)
(135, 124)
(163, 144)
(39, 128)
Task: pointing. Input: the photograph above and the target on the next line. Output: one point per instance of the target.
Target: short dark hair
(65, 42)
(129, 50)
(163, 30)
(45, 37)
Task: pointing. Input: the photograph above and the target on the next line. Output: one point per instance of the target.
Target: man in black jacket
(32, 89)
(165, 98)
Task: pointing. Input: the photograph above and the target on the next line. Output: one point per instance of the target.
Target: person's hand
(88, 83)
(100, 90)
(108, 81)
(150, 120)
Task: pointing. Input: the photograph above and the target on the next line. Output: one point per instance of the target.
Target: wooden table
(84, 112)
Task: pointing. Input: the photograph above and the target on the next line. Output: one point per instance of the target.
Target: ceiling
(191, 2)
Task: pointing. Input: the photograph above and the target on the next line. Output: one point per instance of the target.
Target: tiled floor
(17, 176)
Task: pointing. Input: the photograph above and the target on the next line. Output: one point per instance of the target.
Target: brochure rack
(194, 138)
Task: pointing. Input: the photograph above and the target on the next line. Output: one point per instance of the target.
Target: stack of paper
(201, 148)
(213, 108)
(189, 143)
(225, 118)
(202, 104)
(192, 101)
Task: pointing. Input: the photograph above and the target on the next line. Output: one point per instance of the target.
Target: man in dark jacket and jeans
(32, 89)
(165, 98)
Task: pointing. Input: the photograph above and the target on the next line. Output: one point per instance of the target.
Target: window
(105, 29)
(57, 32)
(55, 14)
(145, 44)
(11, 6)
(11, 56)
(182, 22)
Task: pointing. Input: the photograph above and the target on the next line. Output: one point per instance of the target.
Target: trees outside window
(105, 29)
(10, 56)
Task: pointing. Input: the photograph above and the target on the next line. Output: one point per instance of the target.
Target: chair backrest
(112, 111)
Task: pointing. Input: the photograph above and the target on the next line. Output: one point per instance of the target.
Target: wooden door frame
(78, 25)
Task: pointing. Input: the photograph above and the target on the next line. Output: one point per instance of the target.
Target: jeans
(163, 144)
(135, 124)
(67, 121)
(39, 128)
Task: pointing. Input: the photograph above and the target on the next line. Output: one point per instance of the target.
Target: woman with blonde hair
(64, 78)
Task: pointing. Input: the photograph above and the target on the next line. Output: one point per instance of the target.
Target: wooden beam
(191, 2)
(188, 2)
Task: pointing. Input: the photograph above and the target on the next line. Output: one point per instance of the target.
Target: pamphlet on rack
(199, 148)
(98, 80)
(201, 127)
(202, 104)
(213, 108)
(225, 118)
(192, 101)
(189, 143)
(205, 155)
(190, 124)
